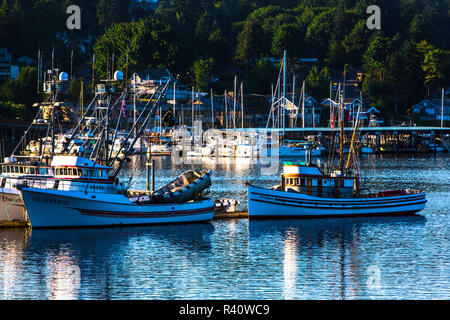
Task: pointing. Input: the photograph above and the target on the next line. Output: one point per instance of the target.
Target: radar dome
(118, 75)
(63, 76)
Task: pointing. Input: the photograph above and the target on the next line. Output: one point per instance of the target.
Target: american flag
(123, 108)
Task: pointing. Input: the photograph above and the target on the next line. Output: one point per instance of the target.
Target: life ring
(336, 193)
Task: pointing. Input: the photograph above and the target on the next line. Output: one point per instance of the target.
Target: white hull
(288, 152)
(54, 208)
(266, 203)
(11, 205)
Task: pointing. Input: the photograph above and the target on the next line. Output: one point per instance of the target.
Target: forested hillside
(200, 40)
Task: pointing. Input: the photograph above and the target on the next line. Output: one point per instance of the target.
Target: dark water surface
(363, 258)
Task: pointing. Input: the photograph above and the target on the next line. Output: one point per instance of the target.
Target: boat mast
(303, 105)
(352, 144)
(192, 111)
(226, 108)
(284, 95)
(134, 102)
(341, 136)
(242, 104)
(234, 103)
(53, 90)
(212, 109)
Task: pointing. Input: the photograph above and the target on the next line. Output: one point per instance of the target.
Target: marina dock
(380, 139)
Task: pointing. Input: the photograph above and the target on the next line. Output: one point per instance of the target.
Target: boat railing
(67, 185)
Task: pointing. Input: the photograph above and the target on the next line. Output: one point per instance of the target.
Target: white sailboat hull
(55, 208)
(266, 203)
(288, 152)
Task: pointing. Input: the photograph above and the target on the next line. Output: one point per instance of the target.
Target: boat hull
(12, 207)
(53, 208)
(266, 203)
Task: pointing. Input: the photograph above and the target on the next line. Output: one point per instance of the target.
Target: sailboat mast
(192, 121)
(234, 103)
(341, 136)
(226, 109)
(134, 102)
(284, 95)
(242, 105)
(212, 110)
(303, 105)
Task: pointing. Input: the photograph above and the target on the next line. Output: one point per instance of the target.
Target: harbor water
(340, 258)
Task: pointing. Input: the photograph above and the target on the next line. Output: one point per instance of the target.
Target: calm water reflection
(367, 258)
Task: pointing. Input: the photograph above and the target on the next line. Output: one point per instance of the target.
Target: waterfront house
(7, 69)
(313, 111)
(431, 109)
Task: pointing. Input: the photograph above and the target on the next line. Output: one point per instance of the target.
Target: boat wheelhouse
(310, 180)
(13, 172)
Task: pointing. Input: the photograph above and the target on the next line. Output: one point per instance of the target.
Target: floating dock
(15, 224)
(231, 215)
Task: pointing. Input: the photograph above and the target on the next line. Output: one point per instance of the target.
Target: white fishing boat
(86, 192)
(81, 194)
(306, 192)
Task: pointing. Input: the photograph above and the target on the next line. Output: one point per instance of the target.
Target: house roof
(436, 103)
(373, 109)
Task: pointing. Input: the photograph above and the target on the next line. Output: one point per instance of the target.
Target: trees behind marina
(402, 62)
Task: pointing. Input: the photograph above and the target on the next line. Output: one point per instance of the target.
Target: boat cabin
(310, 180)
(73, 167)
(13, 168)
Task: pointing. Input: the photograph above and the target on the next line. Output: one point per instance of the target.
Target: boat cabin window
(80, 172)
(32, 170)
(27, 170)
(302, 182)
(21, 169)
(65, 171)
(44, 170)
(70, 171)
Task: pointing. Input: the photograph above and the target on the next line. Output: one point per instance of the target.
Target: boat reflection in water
(12, 245)
(126, 262)
(327, 258)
